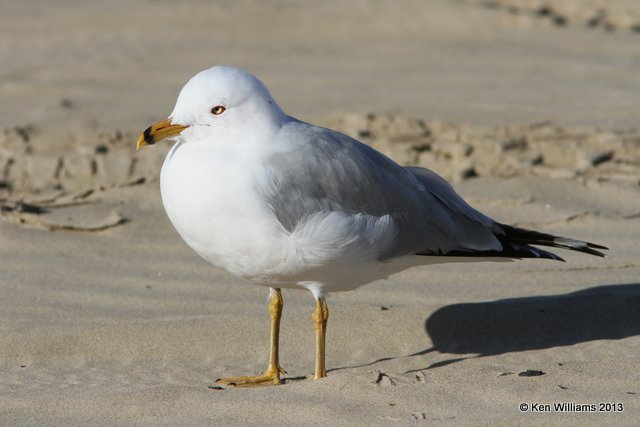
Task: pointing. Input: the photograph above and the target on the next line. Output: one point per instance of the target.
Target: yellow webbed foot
(270, 377)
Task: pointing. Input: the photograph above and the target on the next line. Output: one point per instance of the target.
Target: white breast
(211, 201)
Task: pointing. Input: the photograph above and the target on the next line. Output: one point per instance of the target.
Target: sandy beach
(108, 318)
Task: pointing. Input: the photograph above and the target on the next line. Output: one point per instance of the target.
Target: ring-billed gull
(286, 204)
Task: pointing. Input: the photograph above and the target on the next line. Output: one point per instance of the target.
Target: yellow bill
(157, 132)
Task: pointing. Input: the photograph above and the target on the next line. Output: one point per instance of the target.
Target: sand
(108, 318)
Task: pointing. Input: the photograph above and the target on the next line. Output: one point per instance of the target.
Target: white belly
(211, 196)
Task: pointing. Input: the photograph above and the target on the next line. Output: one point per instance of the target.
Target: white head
(221, 97)
(233, 89)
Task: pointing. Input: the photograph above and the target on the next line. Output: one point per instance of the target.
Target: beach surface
(108, 318)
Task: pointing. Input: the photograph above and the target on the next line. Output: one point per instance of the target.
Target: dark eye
(217, 110)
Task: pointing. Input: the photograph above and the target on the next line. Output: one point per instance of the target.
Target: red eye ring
(217, 110)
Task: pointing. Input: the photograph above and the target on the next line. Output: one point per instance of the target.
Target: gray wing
(322, 170)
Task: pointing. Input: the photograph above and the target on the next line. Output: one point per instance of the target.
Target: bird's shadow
(531, 323)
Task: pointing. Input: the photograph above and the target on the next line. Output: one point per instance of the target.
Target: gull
(285, 204)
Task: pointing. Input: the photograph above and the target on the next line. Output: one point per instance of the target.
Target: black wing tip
(578, 246)
(519, 243)
(596, 246)
(529, 237)
(553, 256)
(590, 249)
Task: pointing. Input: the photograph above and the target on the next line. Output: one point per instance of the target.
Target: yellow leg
(320, 317)
(272, 374)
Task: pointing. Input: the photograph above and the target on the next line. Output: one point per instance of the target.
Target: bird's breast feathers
(216, 203)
